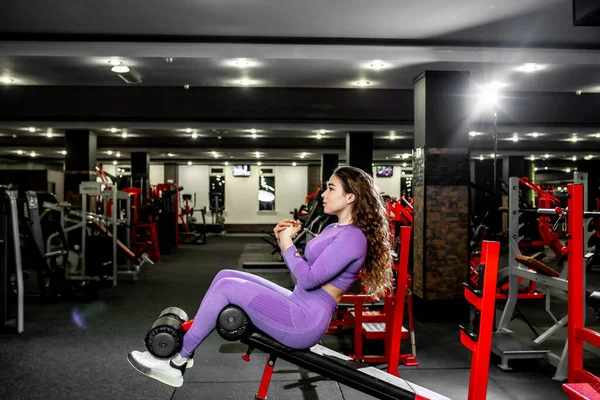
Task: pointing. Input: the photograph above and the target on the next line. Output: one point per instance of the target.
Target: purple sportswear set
(296, 319)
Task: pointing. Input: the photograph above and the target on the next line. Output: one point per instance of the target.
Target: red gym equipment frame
(582, 384)
(480, 343)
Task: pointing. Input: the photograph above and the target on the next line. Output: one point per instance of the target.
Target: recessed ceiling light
(219, 137)
(242, 63)
(245, 82)
(302, 155)
(194, 135)
(259, 163)
(472, 133)
(253, 130)
(109, 152)
(363, 83)
(114, 62)
(574, 139)
(405, 156)
(33, 154)
(392, 135)
(481, 157)
(118, 154)
(322, 131)
(535, 134)
(578, 92)
(492, 155)
(319, 136)
(226, 162)
(598, 135)
(31, 129)
(254, 136)
(535, 169)
(115, 162)
(188, 130)
(574, 158)
(170, 154)
(377, 64)
(186, 87)
(495, 85)
(294, 164)
(124, 135)
(19, 152)
(169, 60)
(532, 158)
(49, 134)
(6, 80)
(216, 155)
(515, 138)
(257, 154)
(589, 157)
(64, 152)
(120, 69)
(213, 153)
(189, 163)
(113, 130)
(530, 67)
(568, 170)
(546, 155)
(545, 167)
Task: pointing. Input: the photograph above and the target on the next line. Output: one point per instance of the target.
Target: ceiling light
(64, 152)
(109, 152)
(574, 158)
(481, 157)
(532, 158)
(492, 155)
(113, 130)
(302, 155)
(574, 139)
(598, 135)
(535, 169)
(226, 162)
(253, 131)
(49, 134)
(392, 135)
(115, 162)
(120, 69)
(124, 135)
(535, 134)
(219, 137)
(169, 60)
(216, 155)
(114, 62)
(170, 154)
(495, 85)
(245, 82)
(294, 164)
(186, 87)
(568, 170)
(472, 133)
(589, 157)
(578, 93)
(19, 152)
(31, 129)
(377, 64)
(118, 154)
(530, 67)
(241, 63)
(322, 131)
(33, 154)
(6, 80)
(515, 138)
(257, 154)
(404, 164)
(259, 163)
(545, 167)
(194, 135)
(189, 163)
(213, 153)
(363, 83)
(188, 130)
(319, 136)
(254, 136)
(405, 156)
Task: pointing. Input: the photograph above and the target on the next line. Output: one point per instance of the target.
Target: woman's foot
(163, 370)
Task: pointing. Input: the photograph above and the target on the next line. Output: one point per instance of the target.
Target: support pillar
(172, 173)
(441, 181)
(80, 162)
(359, 150)
(140, 172)
(329, 162)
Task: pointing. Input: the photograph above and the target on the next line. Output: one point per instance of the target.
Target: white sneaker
(160, 369)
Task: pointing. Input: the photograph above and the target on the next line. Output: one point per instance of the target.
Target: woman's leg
(270, 311)
(230, 273)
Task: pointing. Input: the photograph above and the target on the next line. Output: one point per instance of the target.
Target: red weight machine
(144, 238)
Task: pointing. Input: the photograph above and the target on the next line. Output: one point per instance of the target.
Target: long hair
(369, 215)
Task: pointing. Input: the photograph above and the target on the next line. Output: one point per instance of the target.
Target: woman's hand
(281, 226)
(291, 231)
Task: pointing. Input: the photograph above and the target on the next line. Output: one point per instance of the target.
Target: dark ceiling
(302, 62)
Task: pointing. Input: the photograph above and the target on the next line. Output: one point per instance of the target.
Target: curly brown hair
(369, 215)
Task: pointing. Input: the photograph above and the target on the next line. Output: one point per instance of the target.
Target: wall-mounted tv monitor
(241, 170)
(384, 171)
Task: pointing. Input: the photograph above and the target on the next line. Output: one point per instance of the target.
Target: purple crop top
(335, 256)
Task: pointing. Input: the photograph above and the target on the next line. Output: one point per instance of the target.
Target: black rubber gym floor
(63, 357)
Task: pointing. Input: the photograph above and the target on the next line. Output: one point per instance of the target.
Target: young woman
(357, 245)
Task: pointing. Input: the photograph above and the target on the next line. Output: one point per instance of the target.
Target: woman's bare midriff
(336, 293)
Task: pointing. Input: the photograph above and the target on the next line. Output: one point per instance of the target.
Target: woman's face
(334, 198)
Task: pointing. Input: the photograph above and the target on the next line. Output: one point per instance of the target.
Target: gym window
(266, 190)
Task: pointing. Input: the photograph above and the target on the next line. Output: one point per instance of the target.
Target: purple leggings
(296, 319)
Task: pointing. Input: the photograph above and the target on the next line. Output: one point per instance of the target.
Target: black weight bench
(233, 324)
